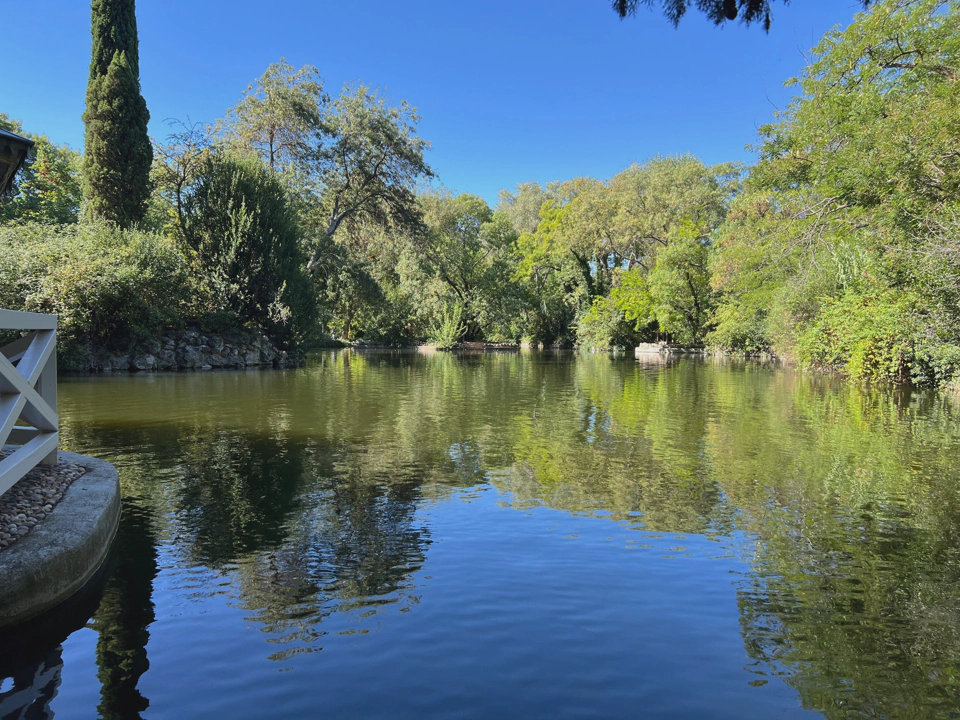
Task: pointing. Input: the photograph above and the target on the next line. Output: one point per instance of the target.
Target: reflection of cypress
(124, 615)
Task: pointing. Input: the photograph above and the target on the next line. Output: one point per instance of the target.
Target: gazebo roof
(13, 151)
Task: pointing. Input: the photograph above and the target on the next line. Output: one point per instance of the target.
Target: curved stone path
(33, 498)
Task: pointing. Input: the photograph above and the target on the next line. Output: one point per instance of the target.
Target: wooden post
(47, 387)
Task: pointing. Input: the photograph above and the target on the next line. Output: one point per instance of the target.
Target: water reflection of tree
(305, 526)
(854, 592)
(852, 501)
(851, 497)
(313, 528)
(125, 613)
(619, 444)
(353, 550)
(308, 495)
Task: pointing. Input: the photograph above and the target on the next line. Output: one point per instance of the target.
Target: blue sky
(509, 90)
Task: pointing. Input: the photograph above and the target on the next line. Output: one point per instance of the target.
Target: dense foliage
(842, 250)
(242, 233)
(613, 262)
(110, 288)
(118, 150)
(48, 187)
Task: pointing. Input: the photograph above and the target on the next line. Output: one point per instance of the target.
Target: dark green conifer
(118, 152)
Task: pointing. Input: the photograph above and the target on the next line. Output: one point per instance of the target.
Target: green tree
(522, 206)
(352, 293)
(547, 279)
(279, 117)
(118, 152)
(177, 164)
(353, 160)
(835, 252)
(597, 233)
(368, 169)
(464, 265)
(48, 188)
(676, 293)
(238, 221)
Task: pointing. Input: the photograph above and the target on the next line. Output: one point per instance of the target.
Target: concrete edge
(63, 551)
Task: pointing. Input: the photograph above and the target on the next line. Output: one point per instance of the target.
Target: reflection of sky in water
(388, 535)
(507, 603)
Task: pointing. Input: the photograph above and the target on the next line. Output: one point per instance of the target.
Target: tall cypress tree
(118, 152)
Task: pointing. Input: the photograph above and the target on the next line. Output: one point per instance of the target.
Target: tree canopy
(313, 216)
(841, 250)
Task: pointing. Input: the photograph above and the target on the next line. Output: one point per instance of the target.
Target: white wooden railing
(28, 394)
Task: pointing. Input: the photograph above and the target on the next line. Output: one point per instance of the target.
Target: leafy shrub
(449, 328)
(604, 326)
(243, 233)
(392, 322)
(109, 287)
(867, 337)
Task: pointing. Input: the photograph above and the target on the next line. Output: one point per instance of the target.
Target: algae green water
(391, 535)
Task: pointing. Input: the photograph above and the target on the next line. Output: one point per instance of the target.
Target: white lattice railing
(28, 394)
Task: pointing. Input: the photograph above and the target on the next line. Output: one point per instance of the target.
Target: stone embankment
(195, 350)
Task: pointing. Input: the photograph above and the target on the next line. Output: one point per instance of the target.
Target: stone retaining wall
(195, 350)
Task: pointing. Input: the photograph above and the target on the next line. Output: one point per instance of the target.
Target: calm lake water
(391, 535)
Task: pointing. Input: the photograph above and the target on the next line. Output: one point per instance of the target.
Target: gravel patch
(33, 498)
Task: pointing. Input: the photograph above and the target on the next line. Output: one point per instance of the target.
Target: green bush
(243, 234)
(391, 322)
(448, 328)
(110, 288)
(604, 326)
(867, 337)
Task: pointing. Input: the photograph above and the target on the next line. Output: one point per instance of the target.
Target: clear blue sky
(509, 90)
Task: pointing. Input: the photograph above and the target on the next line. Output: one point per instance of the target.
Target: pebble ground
(33, 498)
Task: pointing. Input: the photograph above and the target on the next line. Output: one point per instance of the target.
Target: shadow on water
(31, 658)
(116, 603)
(305, 490)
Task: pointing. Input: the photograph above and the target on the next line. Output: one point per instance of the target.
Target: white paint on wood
(28, 392)
(26, 458)
(16, 320)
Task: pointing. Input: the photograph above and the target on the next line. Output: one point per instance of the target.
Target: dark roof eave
(14, 136)
(6, 178)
